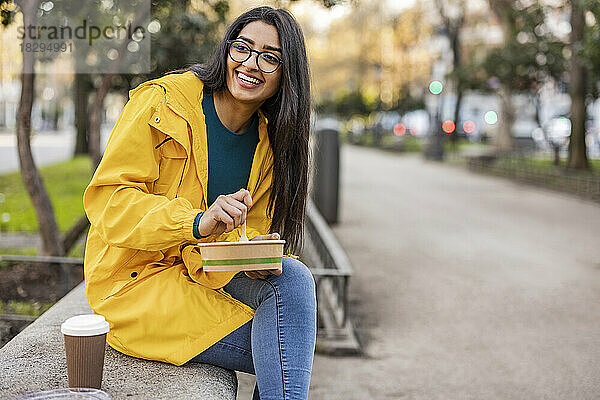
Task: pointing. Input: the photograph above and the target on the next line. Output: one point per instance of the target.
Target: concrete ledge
(34, 360)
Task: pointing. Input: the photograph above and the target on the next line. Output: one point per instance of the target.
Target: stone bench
(34, 360)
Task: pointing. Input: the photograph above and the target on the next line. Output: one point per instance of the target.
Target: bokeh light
(491, 117)
(469, 126)
(436, 87)
(399, 129)
(448, 126)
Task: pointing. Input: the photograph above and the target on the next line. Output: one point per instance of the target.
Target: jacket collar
(183, 100)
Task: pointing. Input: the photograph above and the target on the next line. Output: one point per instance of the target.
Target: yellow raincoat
(140, 273)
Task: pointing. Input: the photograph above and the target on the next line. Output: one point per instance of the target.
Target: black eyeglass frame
(258, 54)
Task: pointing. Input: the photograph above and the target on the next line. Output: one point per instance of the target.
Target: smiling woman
(250, 80)
(194, 155)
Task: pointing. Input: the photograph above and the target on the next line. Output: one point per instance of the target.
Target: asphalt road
(465, 286)
(47, 148)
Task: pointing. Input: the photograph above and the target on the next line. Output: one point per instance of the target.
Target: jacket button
(133, 274)
(157, 119)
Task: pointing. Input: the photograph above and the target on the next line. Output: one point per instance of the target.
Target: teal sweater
(230, 155)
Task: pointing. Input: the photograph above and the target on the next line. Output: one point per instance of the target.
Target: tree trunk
(81, 109)
(70, 237)
(453, 27)
(503, 141)
(51, 243)
(456, 63)
(577, 148)
(459, 95)
(556, 149)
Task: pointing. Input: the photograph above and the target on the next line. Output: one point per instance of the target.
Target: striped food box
(241, 256)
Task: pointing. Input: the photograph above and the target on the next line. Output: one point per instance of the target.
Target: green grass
(389, 140)
(548, 163)
(65, 183)
(76, 251)
(412, 144)
(545, 164)
(21, 251)
(34, 309)
(463, 145)
(405, 144)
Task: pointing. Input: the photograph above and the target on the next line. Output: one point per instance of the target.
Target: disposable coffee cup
(85, 343)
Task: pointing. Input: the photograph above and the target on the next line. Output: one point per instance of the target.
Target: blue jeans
(278, 344)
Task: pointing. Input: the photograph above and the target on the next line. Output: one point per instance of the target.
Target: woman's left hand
(264, 273)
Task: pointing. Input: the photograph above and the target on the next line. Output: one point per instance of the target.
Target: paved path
(12, 240)
(47, 148)
(465, 286)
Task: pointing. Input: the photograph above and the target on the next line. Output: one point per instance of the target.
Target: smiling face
(245, 81)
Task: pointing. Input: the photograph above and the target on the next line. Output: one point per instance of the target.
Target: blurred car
(592, 137)
(416, 123)
(383, 122)
(355, 128)
(382, 125)
(327, 122)
(558, 130)
(553, 133)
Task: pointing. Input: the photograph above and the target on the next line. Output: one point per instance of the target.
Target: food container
(241, 256)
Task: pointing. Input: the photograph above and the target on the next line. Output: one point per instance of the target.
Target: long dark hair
(288, 113)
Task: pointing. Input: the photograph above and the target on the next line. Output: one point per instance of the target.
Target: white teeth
(248, 79)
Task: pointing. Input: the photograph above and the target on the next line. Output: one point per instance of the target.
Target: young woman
(192, 156)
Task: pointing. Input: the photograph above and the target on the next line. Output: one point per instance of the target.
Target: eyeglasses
(267, 61)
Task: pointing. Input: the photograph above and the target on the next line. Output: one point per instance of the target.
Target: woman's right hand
(226, 213)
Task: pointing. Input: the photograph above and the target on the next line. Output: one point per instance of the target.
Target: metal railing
(332, 270)
(66, 265)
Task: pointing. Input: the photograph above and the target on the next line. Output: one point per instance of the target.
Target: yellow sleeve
(118, 201)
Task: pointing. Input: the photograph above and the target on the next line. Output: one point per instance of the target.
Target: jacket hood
(183, 91)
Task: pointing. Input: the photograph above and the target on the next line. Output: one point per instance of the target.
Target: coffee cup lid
(85, 325)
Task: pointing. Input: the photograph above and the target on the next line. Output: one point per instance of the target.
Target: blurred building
(10, 68)
(53, 106)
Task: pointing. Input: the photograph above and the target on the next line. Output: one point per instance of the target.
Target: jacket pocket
(173, 159)
(123, 277)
